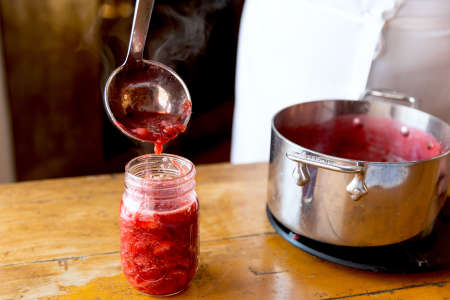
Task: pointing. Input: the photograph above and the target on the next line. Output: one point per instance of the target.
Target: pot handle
(386, 94)
(356, 188)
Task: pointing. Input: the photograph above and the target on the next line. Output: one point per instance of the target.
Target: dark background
(58, 55)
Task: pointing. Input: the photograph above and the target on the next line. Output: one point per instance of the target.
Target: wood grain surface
(59, 239)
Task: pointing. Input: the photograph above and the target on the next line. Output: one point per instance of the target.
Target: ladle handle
(141, 20)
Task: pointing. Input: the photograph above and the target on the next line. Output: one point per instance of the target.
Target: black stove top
(428, 254)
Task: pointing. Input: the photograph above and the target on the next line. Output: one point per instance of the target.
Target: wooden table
(59, 239)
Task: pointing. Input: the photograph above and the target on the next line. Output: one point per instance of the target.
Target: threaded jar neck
(159, 177)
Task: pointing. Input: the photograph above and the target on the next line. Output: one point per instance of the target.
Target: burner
(429, 254)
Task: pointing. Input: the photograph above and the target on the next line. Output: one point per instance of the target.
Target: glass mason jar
(159, 224)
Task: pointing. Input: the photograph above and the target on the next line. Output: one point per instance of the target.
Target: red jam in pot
(365, 138)
(159, 224)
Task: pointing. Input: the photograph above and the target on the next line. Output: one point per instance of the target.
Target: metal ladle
(144, 86)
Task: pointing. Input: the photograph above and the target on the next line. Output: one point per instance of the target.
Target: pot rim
(348, 160)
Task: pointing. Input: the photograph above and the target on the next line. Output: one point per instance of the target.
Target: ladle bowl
(145, 99)
(145, 87)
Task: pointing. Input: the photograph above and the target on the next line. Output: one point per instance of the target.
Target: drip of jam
(365, 138)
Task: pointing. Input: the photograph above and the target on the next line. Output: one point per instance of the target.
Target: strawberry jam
(159, 224)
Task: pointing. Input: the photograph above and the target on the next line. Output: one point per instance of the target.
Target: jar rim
(183, 176)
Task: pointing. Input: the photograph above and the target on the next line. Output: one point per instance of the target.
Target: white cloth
(292, 51)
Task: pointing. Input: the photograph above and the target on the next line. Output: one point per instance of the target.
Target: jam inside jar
(159, 224)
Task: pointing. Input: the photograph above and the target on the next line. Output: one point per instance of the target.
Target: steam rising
(184, 30)
(179, 31)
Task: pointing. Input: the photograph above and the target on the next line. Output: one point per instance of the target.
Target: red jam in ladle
(146, 100)
(148, 103)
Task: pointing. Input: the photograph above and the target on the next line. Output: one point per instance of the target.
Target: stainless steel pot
(356, 203)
